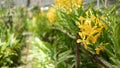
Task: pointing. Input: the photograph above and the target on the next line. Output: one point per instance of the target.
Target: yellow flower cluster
(68, 4)
(98, 50)
(51, 14)
(90, 29)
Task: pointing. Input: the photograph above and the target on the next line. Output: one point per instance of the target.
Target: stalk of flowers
(90, 30)
(68, 5)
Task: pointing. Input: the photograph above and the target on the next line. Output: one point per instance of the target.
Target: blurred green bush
(12, 40)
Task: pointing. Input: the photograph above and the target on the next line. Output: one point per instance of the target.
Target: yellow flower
(82, 35)
(86, 13)
(57, 3)
(80, 2)
(92, 18)
(92, 38)
(90, 29)
(34, 19)
(78, 40)
(86, 43)
(81, 19)
(51, 14)
(88, 21)
(68, 5)
(101, 44)
(78, 23)
(98, 50)
(86, 28)
(77, 2)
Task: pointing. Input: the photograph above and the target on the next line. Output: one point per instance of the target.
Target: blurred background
(46, 34)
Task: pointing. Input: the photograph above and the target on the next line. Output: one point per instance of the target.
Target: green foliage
(7, 50)
(54, 44)
(41, 54)
(113, 50)
(11, 37)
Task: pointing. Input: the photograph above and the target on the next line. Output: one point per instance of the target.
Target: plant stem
(96, 58)
(56, 62)
(77, 56)
(28, 3)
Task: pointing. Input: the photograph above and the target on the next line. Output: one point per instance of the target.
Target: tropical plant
(11, 36)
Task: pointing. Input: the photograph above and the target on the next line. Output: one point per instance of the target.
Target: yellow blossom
(86, 13)
(88, 21)
(80, 2)
(34, 19)
(78, 23)
(78, 40)
(51, 14)
(77, 2)
(82, 35)
(98, 50)
(81, 19)
(101, 44)
(93, 39)
(90, 29)
(86, 43)
(92, 18)
(68, 5)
